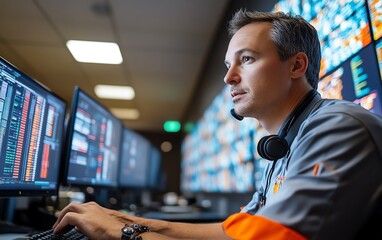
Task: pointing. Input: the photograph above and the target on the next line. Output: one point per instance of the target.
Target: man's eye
(246, 59)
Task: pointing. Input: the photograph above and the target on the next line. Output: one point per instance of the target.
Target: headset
(276, 146)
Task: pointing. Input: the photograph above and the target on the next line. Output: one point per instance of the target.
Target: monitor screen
(31, 135)
(357, 80)
(338, 44)
(378, 49)
(135, 157)
(375, 17)
(155, 168)
(93, 143)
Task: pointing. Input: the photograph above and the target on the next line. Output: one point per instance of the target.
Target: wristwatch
(132, 232)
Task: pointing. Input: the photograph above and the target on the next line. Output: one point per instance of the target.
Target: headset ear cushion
(260, 147)
(272, 147)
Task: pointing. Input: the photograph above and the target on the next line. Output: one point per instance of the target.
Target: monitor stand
(7, 207)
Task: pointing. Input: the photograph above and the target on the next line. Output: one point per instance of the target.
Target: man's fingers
(69, 220)
(72, 207)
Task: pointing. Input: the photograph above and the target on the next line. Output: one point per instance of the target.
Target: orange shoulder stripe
(245, 226)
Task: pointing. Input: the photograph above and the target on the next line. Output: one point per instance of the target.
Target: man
(323, 179)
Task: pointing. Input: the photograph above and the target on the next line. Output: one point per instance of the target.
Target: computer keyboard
(47, 235)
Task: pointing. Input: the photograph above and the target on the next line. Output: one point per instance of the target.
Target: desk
(14, 236)
(192, 217)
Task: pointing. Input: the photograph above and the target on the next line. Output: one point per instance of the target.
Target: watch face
(132, 231)
(128, 231)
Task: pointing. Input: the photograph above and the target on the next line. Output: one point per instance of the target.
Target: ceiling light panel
(114, 92)
(95, 52)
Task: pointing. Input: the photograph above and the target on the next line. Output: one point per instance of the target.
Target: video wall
(219, 155)
(350, 35)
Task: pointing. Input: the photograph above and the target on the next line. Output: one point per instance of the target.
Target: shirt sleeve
(245, 226)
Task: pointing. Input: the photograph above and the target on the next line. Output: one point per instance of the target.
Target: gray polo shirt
(326, 186)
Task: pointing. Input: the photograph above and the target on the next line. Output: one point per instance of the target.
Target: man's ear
(299, 65)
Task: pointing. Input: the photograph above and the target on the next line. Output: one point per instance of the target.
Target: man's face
(257, 76)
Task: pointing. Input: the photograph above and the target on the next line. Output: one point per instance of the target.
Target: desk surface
(9, 236)
(192, 217)
(186, 217)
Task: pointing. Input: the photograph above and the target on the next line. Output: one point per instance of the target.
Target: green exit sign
(171, 126)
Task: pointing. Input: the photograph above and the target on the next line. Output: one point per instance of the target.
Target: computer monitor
(155, 169)
(31, 135)
(93, 144)
(135, 157)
